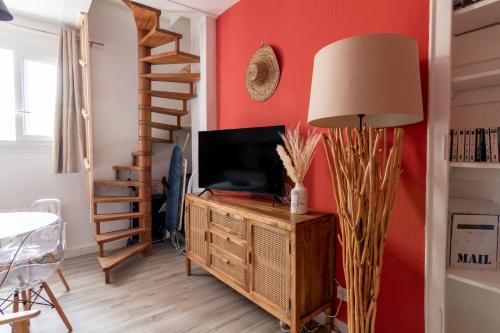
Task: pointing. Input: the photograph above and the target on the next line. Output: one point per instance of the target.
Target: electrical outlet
(342, 293)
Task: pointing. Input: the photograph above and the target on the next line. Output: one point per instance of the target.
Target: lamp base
(364, 174)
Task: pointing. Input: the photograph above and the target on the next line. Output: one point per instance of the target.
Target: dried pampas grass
(297, 154)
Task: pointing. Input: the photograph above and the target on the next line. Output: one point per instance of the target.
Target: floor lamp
(361, 86)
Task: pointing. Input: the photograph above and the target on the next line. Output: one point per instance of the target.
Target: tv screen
(243, 160)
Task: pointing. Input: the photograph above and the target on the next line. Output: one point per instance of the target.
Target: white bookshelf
(476, 80)
(475, 57)
(475, 165)
(489, 280)
(479, 15)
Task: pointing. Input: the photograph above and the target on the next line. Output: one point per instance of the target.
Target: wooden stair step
(168, 111)
(172, 57)
(158, 37)
(169, 95)
(117, 216)
(146, 18)
(115, 258)
(115, 199)
(161, 140)
(127, 168)
(172, 77)
(165, 127)
(120, 183)
(118, 234)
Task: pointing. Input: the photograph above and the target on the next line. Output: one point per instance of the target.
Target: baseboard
(80, 251)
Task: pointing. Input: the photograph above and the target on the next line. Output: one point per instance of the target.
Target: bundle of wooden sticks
(365, 174)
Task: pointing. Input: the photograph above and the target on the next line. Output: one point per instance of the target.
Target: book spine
(450, 155)
(461, 145)
(467, 145)
(483, 145)
(487, 144)
(478, 145)
(472, 145)
(454, 154)
(494, 144)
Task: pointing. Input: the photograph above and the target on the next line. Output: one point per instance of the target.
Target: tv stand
(282, 262)
(205, 190)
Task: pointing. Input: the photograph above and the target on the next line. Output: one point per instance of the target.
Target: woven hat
(263, 74)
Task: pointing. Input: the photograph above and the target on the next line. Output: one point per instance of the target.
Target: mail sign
(474, 242)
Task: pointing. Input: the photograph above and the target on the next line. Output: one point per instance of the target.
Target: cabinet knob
(228, 239)
(227, 262)
(228, 215)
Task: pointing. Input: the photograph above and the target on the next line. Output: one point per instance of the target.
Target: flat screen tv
(241, 160)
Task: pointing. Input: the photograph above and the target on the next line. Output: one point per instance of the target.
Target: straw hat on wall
(263, 74)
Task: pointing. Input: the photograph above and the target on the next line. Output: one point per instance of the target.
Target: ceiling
(67, 11)
(64, 11)
(209, 7)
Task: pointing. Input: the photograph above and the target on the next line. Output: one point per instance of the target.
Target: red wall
(297, 29)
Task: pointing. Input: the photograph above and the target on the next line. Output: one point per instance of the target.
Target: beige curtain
(69, 126)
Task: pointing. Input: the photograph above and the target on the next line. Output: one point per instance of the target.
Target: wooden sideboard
(282, 262)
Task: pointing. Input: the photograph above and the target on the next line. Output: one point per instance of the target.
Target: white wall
(26, 170)
(204, 115)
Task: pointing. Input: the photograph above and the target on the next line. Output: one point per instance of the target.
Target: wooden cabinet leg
(107, 277)
(57, 306)
(188, 266)
(295, 328)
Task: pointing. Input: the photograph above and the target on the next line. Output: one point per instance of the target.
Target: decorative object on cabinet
(474, 241)
(297, 155)
(282, 262)
(371, 78)
(262, 74)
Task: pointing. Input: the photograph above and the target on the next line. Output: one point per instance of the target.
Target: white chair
(51, 206)
(26, 263)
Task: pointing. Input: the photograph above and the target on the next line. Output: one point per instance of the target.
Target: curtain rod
(49, 32)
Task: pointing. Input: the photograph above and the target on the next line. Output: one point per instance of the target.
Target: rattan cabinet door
(197, 231)
(270, 266)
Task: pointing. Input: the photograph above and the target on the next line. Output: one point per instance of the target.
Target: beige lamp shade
(372, 75)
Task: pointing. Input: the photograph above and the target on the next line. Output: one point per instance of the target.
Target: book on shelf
(461, 145)
(472, 144)
(494, 144)
(467, 145)
(475, 145)
(454, 145)
(487, 144)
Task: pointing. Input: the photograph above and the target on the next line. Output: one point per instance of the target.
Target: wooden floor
(150, 294)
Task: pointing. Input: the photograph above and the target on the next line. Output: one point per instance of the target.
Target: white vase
(298, 199)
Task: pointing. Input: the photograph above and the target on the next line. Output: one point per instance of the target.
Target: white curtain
(69, 128)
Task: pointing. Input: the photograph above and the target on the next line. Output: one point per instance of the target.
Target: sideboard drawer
(230, 223)
(234, 246)
(230, 267)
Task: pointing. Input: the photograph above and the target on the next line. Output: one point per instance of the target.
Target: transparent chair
(53, 206)
(48, 205)
(27, 262)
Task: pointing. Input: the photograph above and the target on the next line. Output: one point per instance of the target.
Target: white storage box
(474, 242)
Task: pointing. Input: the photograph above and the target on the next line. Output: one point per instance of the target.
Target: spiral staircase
(150, 36)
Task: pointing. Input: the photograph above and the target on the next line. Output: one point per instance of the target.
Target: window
(27, 97)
